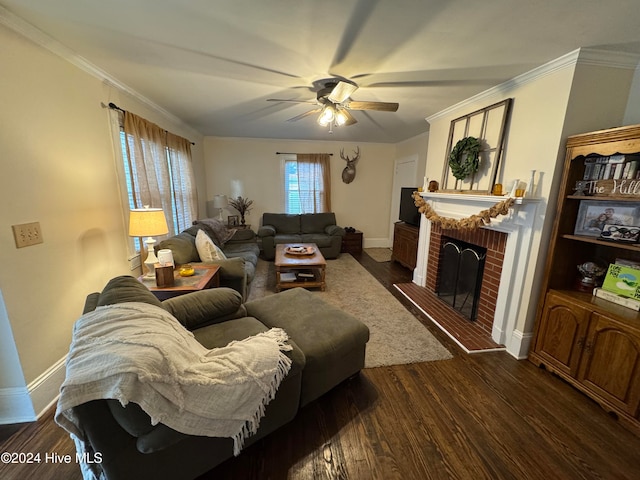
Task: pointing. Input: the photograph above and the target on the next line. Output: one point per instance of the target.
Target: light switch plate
(27, 234)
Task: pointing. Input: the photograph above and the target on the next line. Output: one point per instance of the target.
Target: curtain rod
(294, 153)
(113, 106)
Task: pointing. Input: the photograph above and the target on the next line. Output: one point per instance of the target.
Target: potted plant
(242, 205)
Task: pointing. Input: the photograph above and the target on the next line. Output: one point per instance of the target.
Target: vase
(531, 190)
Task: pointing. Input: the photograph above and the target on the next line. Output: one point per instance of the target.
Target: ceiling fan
(333, 103)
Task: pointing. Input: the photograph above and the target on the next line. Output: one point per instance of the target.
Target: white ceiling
(214, 63)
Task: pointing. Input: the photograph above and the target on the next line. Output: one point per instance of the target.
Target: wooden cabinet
(563, 328)
(590, 342)
(352, 242)
(611, 364)
(595, 347)
(405, 244)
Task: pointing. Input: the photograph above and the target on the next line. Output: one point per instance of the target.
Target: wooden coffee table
(305, 271)
(204, 277)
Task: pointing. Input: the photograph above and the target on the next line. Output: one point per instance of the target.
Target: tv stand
(405, 244)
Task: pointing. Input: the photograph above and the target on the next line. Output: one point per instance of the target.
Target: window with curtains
(156, 171)
(307, 185)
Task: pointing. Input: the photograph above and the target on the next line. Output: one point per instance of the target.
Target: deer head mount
(349, 172)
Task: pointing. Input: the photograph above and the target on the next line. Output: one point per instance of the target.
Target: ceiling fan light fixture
(327, 116)
(340, 117)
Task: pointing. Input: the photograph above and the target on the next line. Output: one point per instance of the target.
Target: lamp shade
(147, 222)
(220, 201)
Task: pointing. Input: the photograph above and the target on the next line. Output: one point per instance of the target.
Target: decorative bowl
(186, 271)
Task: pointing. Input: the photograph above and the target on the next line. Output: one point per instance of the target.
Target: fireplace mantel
(472, 198)
(518, 224)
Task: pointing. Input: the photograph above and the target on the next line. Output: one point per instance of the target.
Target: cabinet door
(562, 333)
(405, 245)
(611, 364)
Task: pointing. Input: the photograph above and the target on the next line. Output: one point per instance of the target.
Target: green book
(622, 280)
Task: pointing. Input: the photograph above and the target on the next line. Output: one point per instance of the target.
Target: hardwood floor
(483, 416)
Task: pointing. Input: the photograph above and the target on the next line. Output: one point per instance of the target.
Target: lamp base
(151, 260)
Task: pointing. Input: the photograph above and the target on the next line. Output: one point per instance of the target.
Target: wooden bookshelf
(590, 342)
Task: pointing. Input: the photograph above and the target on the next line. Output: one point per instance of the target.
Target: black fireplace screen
(460, 277)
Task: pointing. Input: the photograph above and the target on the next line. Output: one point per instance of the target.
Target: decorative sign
(609, 188)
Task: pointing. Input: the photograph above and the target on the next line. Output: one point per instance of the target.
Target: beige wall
(251, 168)
(58, 169)
(417, 145)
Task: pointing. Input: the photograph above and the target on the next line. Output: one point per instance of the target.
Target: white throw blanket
(135, 352)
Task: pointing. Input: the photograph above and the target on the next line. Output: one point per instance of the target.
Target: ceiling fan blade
(350, 118)
(312, 102)
(341, 92)
(305, 114)
(380, 106)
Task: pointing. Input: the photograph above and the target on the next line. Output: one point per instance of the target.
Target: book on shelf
(306, 275)
(612, 167)
(622, 280)
(617, 299)
(287, 277)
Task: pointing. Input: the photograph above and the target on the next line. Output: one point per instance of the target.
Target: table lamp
(148, 222)
(220, 202)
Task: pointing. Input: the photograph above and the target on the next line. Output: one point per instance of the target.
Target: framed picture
(594, 216)
(233, 220)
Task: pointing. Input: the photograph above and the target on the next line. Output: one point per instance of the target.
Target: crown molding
(608, 58)
(37, 36)
(582, 56)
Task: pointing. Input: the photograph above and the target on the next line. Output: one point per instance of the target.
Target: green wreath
(469, 149)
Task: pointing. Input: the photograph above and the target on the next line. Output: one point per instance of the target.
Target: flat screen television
(408, 211)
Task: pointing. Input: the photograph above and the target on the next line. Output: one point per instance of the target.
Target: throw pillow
(207, 250)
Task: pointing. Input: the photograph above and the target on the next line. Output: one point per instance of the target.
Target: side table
(352, 242)
(203, 278)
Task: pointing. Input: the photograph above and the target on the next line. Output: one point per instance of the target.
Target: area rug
(397, 337)
(379, 254)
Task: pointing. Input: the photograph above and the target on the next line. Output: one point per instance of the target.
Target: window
(291, 194)
(176, 218)
(306, 183)
(155, 169)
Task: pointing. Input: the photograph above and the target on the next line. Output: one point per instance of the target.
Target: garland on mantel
(470, 223)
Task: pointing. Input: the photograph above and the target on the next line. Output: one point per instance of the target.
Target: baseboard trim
(520, 344)
(376, 243)
(15, 406)
(45, 389)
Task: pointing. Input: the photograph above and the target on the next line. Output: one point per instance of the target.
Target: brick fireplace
(505, 282)
(494, 242)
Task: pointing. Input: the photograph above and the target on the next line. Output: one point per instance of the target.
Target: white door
(405, 175)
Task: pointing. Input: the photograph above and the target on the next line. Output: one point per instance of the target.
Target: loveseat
(318, 228)
(328, 346)
(239, 246)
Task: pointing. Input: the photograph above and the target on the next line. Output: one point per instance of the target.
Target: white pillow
(207, 250)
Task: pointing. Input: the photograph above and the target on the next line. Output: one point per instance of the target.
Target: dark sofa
(318, 228)
(239, 246)
(328, 347)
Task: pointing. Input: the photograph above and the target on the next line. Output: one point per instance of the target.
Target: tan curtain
(161, 171)
(314, 182)
(184, 184)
